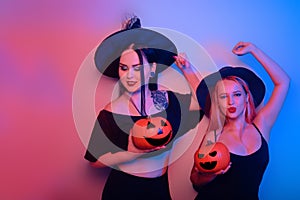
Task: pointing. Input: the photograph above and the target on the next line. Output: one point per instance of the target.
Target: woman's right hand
(222, 171)
(182, 62)
(200, 179)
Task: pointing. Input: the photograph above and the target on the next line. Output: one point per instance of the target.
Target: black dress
(110, 134)
(242, 180)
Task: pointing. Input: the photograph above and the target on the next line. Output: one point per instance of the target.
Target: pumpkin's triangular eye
(150, 125)
(163, 123)
(200, 155)
(213, 154)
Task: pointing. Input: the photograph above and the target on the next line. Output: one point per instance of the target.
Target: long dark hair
(150, 55)
(140, 55)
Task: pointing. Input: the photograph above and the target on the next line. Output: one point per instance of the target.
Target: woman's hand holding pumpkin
(223, 171)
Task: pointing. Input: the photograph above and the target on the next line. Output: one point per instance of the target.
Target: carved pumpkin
(217, 159)
(151, 132)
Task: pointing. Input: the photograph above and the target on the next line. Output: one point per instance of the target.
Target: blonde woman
(229, 98)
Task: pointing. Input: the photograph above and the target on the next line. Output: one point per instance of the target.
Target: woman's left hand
(242, 48)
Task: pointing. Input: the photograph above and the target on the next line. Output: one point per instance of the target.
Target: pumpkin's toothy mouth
(160, 141)
(208, 165)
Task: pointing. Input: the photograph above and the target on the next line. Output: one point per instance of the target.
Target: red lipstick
(131, 83)
(231, 109)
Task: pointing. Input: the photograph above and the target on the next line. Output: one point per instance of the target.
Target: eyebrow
(236, 91)
(135, 65)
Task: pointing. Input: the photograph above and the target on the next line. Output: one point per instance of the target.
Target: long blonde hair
(217, 120)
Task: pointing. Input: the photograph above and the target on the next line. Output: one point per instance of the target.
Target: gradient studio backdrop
(43, 44)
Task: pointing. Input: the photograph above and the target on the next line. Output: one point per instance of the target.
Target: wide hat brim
(108, 52)
(255, 84)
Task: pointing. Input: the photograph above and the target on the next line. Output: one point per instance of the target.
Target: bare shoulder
(108, 107)
(117, 106)
(263, 128)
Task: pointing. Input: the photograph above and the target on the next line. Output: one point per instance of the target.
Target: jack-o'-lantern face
(151, 132)
(217, 159)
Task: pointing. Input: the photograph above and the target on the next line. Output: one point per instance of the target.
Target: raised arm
(191, 76)
(267, 116)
